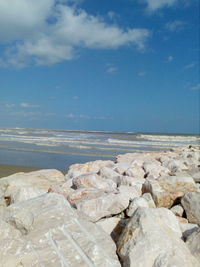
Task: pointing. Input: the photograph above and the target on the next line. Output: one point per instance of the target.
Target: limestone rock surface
(152, 238)
(166, 189)
(193, 243)
(191, 204)
(58, 236)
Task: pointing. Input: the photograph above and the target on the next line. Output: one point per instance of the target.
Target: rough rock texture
(152, 238)
(187, 229)
(89, 167)
(99, 204)
(135, 203)
(191, 205)
(58, 236)
(177, 210)
(95, 181)
(193, 243)
(109, 224)
(165, 190)
(149, 199)
(34, 182)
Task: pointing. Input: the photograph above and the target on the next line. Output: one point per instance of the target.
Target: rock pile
(142, 210)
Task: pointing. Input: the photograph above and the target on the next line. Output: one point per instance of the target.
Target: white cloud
(76, 116)
(49, 31)
(175, 26)
(112, 69)
(27, 105)
(75, 97)
(191, 65)
(142, 73)
(196, 87)
(170, 58)
(153, 5)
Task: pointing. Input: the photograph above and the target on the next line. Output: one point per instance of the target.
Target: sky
(117, 65)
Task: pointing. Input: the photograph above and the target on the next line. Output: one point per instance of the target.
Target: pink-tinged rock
(94, 181)
(99, 204)
(89, 167)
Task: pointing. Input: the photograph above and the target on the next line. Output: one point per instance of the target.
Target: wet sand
(6, 170)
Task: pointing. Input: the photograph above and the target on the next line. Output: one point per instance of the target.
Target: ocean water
(60, 148)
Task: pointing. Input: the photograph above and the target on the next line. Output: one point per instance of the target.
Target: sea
(45, 148)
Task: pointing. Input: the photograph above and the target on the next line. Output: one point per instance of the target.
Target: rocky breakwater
(141, 210)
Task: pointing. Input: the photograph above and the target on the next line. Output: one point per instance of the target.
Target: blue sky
(125, 65)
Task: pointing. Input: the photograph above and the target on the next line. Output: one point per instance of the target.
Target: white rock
(25, 193)
(98, 204)
(187, 229)
(59, 236)
(190, 202)
(108, 224)
(149, 199)
(39, 180)
(121, 167)
(135, 171)
(177, 210)
(193, 243)
(152, 238)
(89, 167)
(135, 203)
(95, 181)
(165, 190)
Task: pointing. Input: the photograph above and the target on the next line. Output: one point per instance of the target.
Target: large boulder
(57, 235)
(99, 204)
(152, 238)
(165, 190)
(191, 204)
(23, 186)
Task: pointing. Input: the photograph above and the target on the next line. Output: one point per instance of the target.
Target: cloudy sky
(125, 65)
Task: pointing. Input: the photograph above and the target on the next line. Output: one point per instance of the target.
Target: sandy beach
(6, 170)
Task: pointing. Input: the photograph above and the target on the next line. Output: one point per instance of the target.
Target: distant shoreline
(6, 170)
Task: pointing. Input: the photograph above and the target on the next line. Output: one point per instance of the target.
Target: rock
(89, 167)
(25, 193)
(94, 181)
(132, 182)
(121, 167)
(190, 202)
(59, 236)
(135, 203)
(187, 229)
(149, 199)
(181, 219)
(152, 238)
(37, 180)
(108, 173)
(165, 190)
(193, 243)
(63, 189)
(108, 224)
(135, 171)
(154, 169)
(177, 210)
(195, 173)
(99, 204)
(174, 165)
